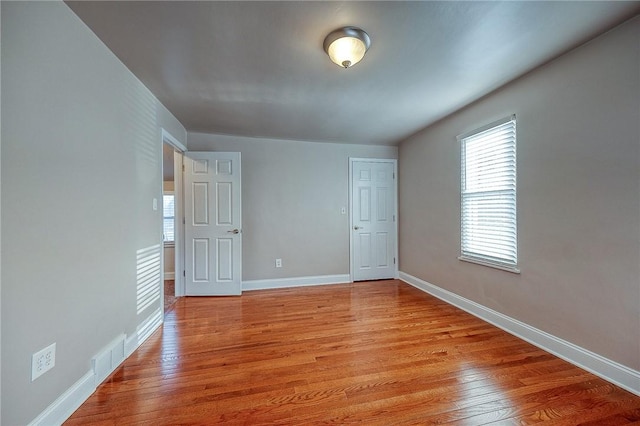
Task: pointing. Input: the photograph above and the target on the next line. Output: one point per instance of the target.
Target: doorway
(172, 228)
(373, 221)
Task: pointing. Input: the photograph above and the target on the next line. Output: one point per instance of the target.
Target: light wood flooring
(372, 353)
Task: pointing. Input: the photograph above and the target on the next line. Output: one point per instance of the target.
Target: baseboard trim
(605, 368)
(63, 407)
(105, 362)
(103, 365)
(169, 275)
(143, 331)
(295, 282)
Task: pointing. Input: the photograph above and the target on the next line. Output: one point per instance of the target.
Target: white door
(213, 224)
(373, 219)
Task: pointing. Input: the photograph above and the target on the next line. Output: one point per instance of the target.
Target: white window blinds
(168, 204)
(488, 194)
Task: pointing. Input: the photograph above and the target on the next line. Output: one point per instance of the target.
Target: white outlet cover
(43, 361)
(278, 263)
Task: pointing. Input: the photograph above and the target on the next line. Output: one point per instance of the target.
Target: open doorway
(172, 231)
(168, 224)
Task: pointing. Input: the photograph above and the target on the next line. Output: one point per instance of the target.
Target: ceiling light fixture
(346, 46)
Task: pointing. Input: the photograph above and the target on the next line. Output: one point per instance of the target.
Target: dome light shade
(347, 46)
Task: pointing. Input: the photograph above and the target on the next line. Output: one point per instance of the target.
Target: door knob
(357, 227)
(235, 231)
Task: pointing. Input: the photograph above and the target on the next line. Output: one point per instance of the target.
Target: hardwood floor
(375, 353)
(169, 295)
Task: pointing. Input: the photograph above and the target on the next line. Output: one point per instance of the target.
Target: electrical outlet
(278, 263)
(43, 361)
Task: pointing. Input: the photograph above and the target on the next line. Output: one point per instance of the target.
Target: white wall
(168, 186)
(169, 262)
(292, 195)
(578, 199)
(81, 164)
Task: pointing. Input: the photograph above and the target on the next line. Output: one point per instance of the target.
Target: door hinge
(394, 260)
(183, 167)
(184, 273)
(394, 217)
(183, 221)
(394, 175)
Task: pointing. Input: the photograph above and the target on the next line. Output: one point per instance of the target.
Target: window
(488, 196)
(168, 207)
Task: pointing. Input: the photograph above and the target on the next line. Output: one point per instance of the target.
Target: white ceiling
(258, 68)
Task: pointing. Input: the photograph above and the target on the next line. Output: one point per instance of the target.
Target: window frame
(478, 257)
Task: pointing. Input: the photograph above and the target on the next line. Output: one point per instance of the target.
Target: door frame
(395, 209)
(179, 148)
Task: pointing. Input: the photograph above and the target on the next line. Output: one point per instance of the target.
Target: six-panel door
(373, 220)
(213, 223)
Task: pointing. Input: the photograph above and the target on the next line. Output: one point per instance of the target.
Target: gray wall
(292, 193)
(81, 163)
(578, 199)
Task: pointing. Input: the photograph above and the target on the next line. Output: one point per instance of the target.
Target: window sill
(511, 269)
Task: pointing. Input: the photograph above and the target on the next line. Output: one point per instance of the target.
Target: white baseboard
(108, 359)
(169, 275)
(607, 369)
(103, 364)
(627, 378)
(295, 282)
(63, 407)
(144, 330)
